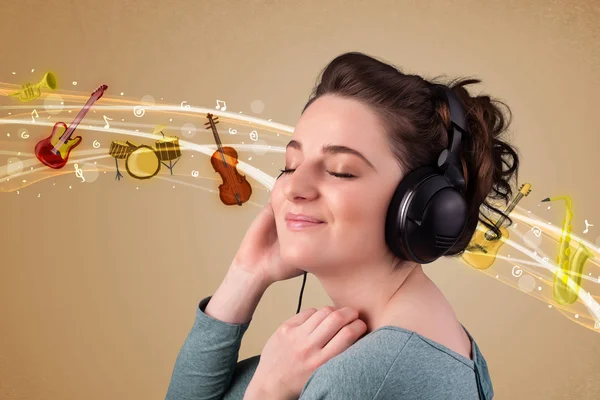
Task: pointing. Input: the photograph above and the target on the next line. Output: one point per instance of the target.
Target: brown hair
(415, 118)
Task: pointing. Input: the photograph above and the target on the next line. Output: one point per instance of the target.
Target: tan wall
(99, 283)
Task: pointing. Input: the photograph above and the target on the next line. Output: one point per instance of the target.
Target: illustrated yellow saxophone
(568, 268)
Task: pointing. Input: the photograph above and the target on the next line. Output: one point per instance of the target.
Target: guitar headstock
(99, 91)
(525, 189)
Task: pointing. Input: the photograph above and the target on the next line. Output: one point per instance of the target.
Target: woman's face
(353, 204)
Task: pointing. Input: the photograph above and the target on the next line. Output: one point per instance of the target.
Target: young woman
(391, 333)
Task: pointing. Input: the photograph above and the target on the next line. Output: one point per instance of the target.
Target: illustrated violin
(235, 189)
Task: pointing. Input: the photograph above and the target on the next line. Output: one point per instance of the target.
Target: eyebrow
(332, 149)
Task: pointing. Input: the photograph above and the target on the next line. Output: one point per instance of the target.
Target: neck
(371, 289)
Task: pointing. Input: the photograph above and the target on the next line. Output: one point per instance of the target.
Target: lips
(302, 218)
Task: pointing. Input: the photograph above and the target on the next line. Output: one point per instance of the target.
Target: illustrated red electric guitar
(55, 149)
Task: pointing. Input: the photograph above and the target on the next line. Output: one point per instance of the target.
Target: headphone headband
(449, 159)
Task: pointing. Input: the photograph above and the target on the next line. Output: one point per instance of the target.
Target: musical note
(218, 107)
(79, 173)
(36, 115)
(186, 107)
(96, 144)
(139, 111)
(195, 173)
(232, 131)
(106, 119)
(587, 226)
(518, 273)
(254, 135)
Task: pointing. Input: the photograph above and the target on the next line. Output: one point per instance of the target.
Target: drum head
(142, 163)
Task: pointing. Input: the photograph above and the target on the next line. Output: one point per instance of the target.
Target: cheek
(361, 206)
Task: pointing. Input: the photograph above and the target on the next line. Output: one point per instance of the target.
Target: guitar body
(483, 248)
(43, 150)
(483, 251)
(235, 189)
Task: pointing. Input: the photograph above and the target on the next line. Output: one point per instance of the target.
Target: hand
(259, 251)
(301, 345)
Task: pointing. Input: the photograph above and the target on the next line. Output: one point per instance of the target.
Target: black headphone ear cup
(442, 220)
(426, 216)
(397, 210)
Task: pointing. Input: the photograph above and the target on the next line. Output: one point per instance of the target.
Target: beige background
(99, 283)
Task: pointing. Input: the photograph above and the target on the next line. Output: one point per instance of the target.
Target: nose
(299, 185)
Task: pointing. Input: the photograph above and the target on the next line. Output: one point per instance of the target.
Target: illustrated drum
(120, 149)
(168, 148)
(142, 163)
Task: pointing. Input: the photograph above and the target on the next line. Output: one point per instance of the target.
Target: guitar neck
(67, 135)
(512, 205)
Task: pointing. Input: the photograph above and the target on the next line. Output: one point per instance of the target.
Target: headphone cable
(301, 291)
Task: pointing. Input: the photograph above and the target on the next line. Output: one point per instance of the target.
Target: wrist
(255, 392)
(256, 279)
(236, 299)
(259, 391)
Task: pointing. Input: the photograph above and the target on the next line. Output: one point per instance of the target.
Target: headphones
(428, 211)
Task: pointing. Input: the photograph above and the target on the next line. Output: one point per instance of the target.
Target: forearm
(236, 299)
(207, 360)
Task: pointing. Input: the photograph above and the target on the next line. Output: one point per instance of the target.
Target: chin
(301, 255)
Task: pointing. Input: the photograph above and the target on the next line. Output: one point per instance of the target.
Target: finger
(331, 325)
(267, 227)
(268, 208)
(301, 317)
(264, 222)
(345, 338)
(316, 319)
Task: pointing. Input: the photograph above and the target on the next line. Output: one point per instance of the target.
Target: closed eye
(337, 175)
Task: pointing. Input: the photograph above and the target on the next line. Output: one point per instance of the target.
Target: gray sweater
(387, 363)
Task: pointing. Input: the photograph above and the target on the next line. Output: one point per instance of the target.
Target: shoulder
(360, 371)
(386, 362)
